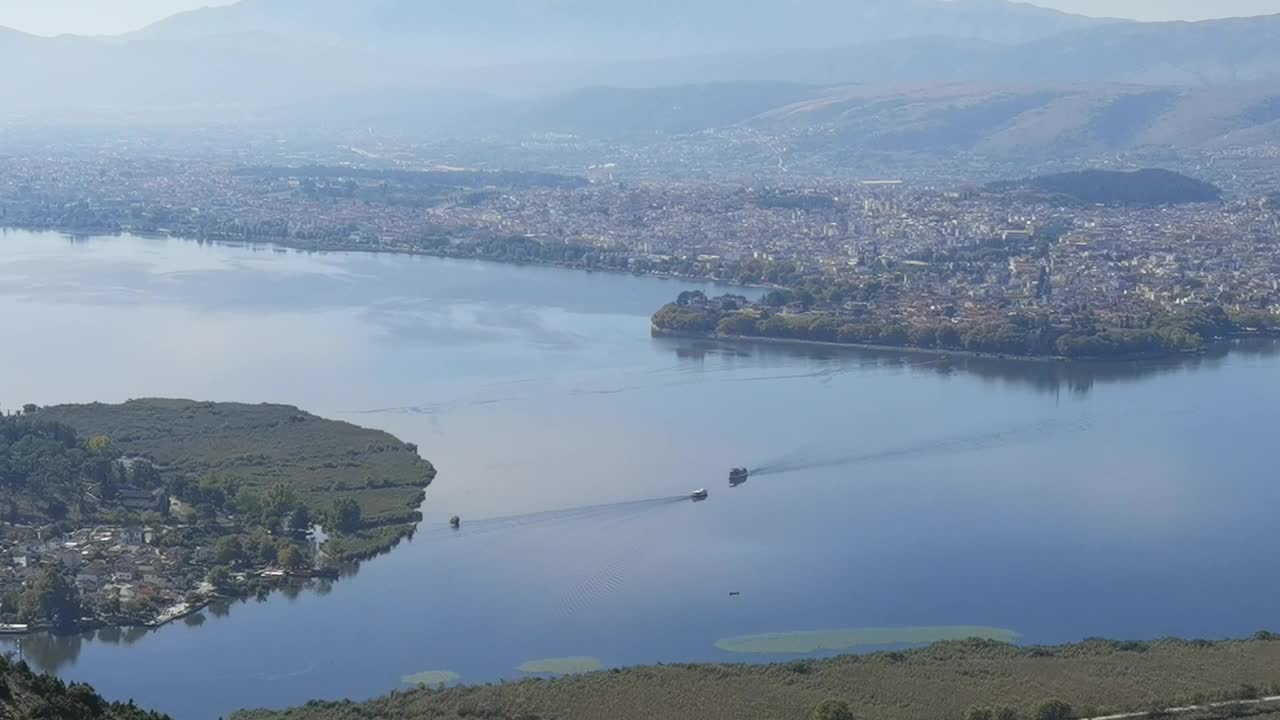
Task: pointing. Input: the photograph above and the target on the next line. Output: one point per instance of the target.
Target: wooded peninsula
(847, 315)
(139, 513)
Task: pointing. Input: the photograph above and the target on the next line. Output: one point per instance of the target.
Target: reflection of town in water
(1046, 376)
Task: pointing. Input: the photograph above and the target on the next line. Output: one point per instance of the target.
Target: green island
(951, 680)
(842, 313)
(142, 512)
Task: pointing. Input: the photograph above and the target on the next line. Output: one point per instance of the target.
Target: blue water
(1125, 500)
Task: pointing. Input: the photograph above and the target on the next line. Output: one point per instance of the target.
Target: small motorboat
(455, 522)
(737, 476)
(699, 495)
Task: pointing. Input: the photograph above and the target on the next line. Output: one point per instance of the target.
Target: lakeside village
(156, 559)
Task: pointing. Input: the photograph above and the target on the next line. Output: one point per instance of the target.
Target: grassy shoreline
(941, 681)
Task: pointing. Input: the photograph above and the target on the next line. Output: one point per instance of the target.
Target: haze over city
(94, 17)
(639, 359)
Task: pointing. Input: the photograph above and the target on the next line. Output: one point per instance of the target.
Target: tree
(99, 443)
(277, 501)
(228, 551)
(291, 558)
(740, 323)
(267, 551)
(1053, 710)
(213, 490)
(777, 298)
(1004, 712)
(691, 297)
(52, 598)
(979, 713)
(346, 515)
(206, 514)
(56, 509)
(833, 710)
(300, 519)
(220, 578)
(248, 504)
(144, 475)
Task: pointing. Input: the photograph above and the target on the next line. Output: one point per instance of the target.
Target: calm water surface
(1131, 500)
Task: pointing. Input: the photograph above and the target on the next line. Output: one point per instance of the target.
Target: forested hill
(1150, 186)
(43, 464)
(26, 694)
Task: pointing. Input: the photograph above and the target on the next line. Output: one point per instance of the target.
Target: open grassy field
(939, 682)
(263, 445)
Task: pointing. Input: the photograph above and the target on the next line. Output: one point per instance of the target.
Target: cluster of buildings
(959, 248)
(116, 570)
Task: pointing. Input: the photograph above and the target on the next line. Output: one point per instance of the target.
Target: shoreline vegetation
(522, 251)
(970, 679)
(973, 679)
(142, 513)
(25, 693)
(798, 317)
(812, 641)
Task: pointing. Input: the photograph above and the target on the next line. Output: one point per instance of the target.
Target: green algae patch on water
(431, 678)
(811, 641)
(562, 666)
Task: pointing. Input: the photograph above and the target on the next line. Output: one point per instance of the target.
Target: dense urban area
(1072, 264)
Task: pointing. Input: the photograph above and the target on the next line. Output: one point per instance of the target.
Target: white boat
(699, 494)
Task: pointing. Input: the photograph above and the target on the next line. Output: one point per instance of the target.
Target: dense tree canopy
(1149, 186)
(41, 467)
(51, 598)
(345, 516)
(788, 314)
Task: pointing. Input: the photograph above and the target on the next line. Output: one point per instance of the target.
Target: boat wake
(615, 510)
(802, 460)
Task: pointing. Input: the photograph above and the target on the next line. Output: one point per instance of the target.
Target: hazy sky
(50, 17)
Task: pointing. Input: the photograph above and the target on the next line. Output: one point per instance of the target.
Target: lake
(894, 491)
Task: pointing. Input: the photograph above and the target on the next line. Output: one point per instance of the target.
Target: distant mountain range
(1011, 120)
(986, 75)
(1039, 119)
(489, 32)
